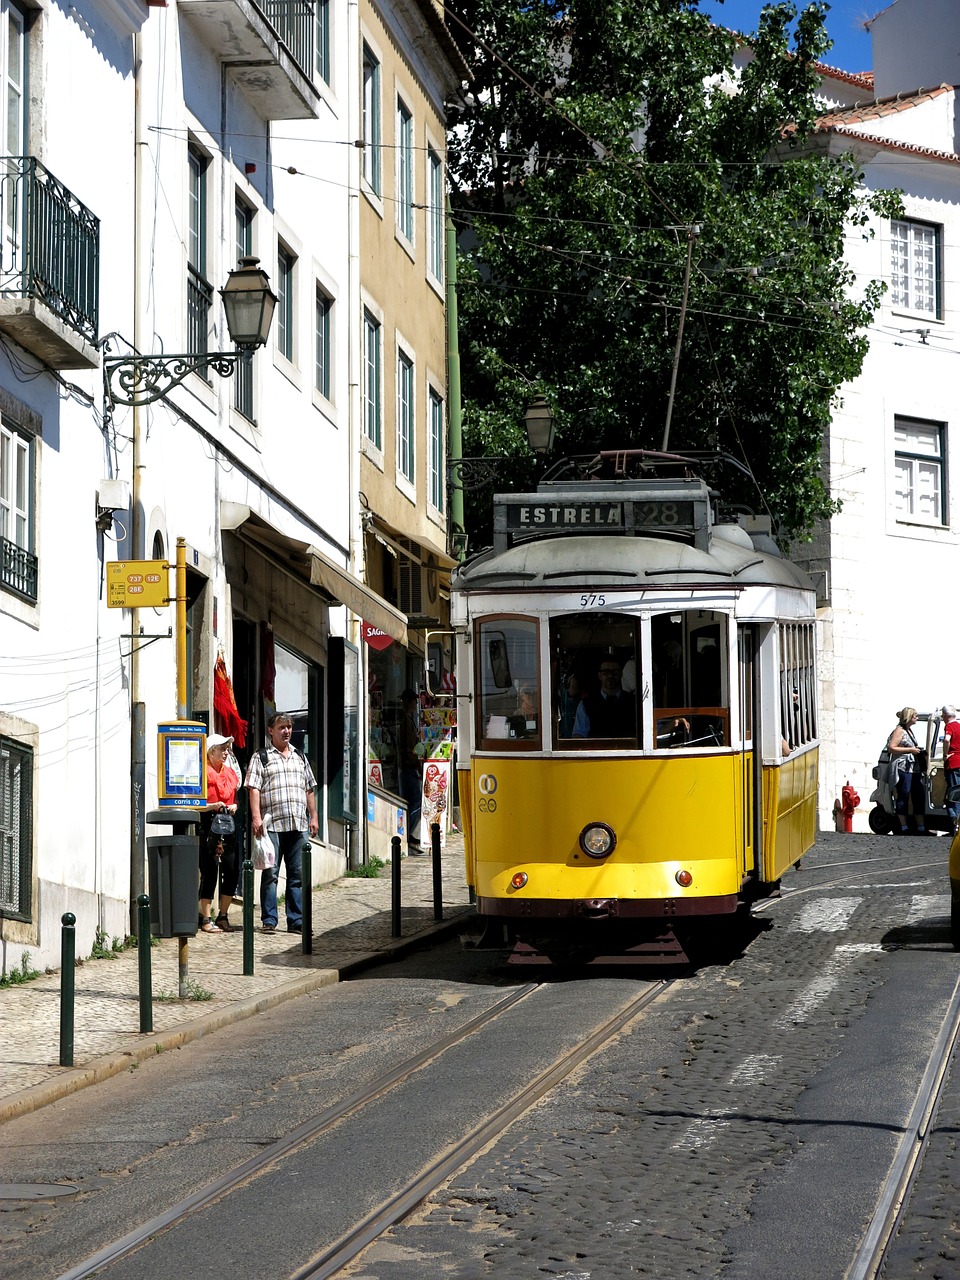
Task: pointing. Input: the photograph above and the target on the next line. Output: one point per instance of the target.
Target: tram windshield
(508, 663)
(691, 700)
(594, 662)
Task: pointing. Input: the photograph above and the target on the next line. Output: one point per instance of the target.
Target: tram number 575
(592, 601)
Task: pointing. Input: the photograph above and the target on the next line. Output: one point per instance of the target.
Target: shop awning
(316, 568)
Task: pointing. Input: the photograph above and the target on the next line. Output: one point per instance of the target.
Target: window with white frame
(323, 17)
(286, 308)
(372, 379)
(404, 170)
(435, 215)
(371, 120)
(199, 290)
(919, 471)
(435, 450)
(405, 419)
(322, 373)
(19, 567)
(12, 106)
(16, 829)
(915, 267)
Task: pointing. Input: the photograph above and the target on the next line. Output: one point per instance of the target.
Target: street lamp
(474, 473)
(248, 303)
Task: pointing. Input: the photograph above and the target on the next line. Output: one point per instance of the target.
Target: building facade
(886, 564)
(226, 130)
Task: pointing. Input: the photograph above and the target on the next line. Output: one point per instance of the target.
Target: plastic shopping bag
(264, 854)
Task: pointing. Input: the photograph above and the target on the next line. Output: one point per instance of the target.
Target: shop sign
(374, 637)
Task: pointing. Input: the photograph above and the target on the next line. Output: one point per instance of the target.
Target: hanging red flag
(228, 718)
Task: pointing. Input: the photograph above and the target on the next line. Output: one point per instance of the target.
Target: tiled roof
(890, 144)
(862, 78)
(882, 107)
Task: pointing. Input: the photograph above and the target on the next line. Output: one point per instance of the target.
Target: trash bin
(173, 864)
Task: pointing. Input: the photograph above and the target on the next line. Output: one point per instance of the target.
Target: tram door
(751, 756)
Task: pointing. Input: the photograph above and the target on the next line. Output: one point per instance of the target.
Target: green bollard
(247, 918)
(395, 930)
(143, 963)
(68, 973)
(306, 894)
(437, 871)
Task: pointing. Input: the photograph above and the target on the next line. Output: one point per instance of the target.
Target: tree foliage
(601, 143)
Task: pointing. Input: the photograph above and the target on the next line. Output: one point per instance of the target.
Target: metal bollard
(143, 963)
(395, 887)
(437, 870)
(68, 974)
(247, 918)
(306, 893)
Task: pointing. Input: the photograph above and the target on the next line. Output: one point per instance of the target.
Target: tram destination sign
(577, 514)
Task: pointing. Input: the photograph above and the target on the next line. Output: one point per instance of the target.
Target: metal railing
(199, 301)
(18, 569)
(294, 21)
(50, 246)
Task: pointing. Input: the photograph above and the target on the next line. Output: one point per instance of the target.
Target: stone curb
(73, 1079)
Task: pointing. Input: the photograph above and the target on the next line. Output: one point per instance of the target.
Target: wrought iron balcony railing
(18, 569)
(294, 22)
(50, 247)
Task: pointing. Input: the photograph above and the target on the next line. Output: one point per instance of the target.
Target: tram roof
(595, 560)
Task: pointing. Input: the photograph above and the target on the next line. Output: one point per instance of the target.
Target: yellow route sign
(137, 584)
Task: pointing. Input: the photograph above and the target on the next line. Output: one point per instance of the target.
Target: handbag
(222, 824)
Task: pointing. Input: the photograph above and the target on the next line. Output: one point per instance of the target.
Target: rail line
(298, 1137)
(895, 1192)
(427, 1179)
(433, 1175)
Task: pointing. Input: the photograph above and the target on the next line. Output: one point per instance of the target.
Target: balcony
(18, 569)
(269, 49)
(49, 266)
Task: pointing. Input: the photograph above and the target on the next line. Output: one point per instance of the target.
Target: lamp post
(248, 302)
(474, 473)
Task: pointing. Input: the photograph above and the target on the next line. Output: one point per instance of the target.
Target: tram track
(420, 1184)
(311, 1129)
(893, 1200)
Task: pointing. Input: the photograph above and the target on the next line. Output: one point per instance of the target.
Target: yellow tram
(637, 719)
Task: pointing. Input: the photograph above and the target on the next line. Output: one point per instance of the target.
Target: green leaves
(595, 133)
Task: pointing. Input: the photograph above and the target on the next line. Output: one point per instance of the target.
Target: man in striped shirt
(281, 784)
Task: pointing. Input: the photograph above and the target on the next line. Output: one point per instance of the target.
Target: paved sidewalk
(352, 927)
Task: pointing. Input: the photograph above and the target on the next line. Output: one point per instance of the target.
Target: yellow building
(409, 66)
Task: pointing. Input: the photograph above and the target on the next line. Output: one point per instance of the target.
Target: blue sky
(851, 44)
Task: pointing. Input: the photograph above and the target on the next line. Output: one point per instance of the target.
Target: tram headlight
(597, 840)
(684, 878)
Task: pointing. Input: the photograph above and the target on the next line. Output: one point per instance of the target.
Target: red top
(951, 733)
(222, 784)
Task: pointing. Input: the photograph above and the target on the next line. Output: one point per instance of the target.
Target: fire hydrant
(848, 806)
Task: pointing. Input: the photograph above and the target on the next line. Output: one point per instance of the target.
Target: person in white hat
(218, 847)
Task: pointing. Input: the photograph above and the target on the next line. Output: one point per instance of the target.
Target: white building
(887, 564)
(174, 139)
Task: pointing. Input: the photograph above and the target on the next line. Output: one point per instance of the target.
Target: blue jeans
(289, 847)
(953, 806)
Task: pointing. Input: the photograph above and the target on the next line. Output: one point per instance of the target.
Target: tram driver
(609, 713)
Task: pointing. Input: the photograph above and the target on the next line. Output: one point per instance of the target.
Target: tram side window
(691, 696)
(508, 682)
(798, 707)
(594, 673)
